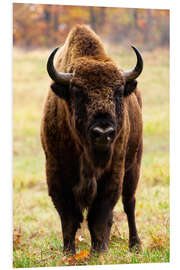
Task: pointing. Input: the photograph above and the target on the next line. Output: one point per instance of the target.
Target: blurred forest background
(37, 25)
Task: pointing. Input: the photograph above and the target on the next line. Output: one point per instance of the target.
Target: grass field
(37, 230)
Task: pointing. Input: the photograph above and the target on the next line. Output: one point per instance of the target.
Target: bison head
(95, 93)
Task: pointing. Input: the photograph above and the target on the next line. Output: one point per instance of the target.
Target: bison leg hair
(128, 197)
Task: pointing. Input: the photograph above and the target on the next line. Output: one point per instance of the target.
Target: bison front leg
(64, 202)
(100, 218)
(99, 222)
(70, 220)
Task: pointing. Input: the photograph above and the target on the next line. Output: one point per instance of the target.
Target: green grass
(37, 230)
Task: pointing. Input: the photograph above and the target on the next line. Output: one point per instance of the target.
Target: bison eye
(77, 92)
(119, 91)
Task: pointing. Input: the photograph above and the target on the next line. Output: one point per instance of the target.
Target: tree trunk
(92, 18)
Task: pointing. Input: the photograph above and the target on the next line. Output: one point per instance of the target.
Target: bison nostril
(96, 132)
(111, 134)
(102, 135)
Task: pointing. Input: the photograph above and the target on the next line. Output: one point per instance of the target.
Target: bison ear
(129, 87)
(61, 90)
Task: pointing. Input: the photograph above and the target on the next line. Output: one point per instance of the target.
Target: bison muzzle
(91, 133)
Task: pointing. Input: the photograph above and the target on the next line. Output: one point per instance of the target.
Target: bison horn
(136, 71)
(55, 75)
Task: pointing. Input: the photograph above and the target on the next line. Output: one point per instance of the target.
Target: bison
(91, 133)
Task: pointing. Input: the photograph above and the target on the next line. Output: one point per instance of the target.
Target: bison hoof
(135, 245)
(69, 252)
(98, 251)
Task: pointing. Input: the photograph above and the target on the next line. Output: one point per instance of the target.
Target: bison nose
(101, 136)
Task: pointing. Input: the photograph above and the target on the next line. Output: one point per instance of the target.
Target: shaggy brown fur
(79, 175)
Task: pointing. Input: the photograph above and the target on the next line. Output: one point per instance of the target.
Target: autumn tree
(37, 25)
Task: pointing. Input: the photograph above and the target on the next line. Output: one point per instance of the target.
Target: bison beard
(91, 133)
(100, 157)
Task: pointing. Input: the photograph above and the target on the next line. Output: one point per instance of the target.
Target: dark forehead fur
(96, 73)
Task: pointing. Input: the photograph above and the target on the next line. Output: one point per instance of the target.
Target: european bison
(91, 134)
